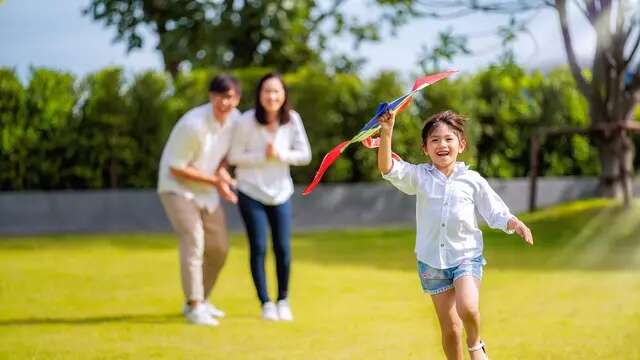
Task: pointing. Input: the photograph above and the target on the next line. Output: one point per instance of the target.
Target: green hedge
(108, 130)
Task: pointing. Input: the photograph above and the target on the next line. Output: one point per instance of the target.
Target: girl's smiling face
(442, 146)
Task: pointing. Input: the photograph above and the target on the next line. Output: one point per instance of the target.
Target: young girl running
(448, 239)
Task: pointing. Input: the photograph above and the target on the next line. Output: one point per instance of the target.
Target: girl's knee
(468, 312)
(452, 330)
(452, 335)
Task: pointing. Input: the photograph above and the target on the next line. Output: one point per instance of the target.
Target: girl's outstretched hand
(386, 122)
(521, 229)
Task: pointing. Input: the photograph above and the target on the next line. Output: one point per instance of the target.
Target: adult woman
(267, 140)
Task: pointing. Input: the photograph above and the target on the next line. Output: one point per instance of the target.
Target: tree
(12, 123)
(48, 143)
(149, 123)
(449, 46)
(231, 33)
(106, 151)
(611, 87)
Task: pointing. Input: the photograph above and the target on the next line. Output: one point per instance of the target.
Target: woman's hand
(225, 192)
(271, 152)
(521, 229)
(224, 176)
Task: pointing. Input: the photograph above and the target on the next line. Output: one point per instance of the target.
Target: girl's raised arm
(384, 151)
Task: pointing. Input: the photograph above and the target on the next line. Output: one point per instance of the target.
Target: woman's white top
(199, 141)
(447, 229)
(268, 180)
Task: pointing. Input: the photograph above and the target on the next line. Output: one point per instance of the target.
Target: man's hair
(449, 118)
(223, 83)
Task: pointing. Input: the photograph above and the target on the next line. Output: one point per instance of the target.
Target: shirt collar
(460, 166)
(213, 123)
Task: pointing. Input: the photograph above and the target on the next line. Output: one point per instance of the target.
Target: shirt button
(441, 245)
(442, 225)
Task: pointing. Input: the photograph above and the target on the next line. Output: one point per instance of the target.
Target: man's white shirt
(447, 229)
(199, 141)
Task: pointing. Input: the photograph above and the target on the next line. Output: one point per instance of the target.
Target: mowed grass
(355, 295)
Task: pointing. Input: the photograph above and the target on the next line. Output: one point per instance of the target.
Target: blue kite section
(382, 108)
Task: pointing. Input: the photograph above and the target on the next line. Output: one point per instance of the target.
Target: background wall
(331, 206)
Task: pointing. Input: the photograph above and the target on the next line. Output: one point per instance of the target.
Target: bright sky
(35, 33)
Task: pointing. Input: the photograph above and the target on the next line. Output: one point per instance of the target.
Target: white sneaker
(200, 316)
(284, 311)
(269, 311)
(211, 309)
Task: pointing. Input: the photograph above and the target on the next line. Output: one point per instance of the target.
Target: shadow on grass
(62, 241)
(130, 318)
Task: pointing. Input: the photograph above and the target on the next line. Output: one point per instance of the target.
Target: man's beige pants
(203, 244)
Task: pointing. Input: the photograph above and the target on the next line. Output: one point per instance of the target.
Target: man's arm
(193, 174)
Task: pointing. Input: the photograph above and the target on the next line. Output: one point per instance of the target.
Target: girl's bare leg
(450, 324)
(467, 293)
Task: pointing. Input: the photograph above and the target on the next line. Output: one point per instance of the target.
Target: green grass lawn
(355, 295)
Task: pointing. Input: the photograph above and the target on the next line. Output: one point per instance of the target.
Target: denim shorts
(435, 281)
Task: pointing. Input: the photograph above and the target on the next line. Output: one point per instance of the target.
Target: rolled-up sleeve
(403, 176)
(492, 208)
(182, 146)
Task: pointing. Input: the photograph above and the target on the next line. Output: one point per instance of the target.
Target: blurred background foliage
(107, 130)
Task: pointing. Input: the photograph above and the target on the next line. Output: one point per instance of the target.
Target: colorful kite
(372, 127)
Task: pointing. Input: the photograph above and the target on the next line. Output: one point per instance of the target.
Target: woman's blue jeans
(256, 217)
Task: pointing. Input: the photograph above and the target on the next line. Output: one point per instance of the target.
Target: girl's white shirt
(447, 228)
(268, 180)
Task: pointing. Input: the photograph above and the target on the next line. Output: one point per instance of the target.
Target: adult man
(191, 180)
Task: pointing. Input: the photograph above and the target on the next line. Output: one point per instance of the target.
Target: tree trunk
(616, 152)
(113, 173)
(170, 65)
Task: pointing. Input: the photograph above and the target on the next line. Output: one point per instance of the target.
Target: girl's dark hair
(450, 118)
(283, 113)
(223, 83)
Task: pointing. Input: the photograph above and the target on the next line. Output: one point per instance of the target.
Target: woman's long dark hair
(283, 113)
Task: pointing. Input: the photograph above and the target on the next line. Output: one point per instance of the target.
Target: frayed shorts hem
(436, 281)
(449, 287)
(438, 291)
